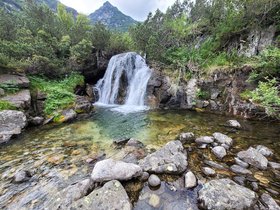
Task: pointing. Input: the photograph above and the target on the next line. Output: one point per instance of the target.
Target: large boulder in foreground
(225, 194)
(254, 158)
(11, 123)
(111, 196)
(109, 169)
(170, 159)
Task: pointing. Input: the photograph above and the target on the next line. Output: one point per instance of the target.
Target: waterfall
(125, 81)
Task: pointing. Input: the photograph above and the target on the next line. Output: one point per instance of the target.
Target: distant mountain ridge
(112, 17)
(17, 5)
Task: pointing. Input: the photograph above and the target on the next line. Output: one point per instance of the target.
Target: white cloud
(138, 9)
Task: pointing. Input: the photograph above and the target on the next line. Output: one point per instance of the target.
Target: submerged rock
(204, 140)
(110, 169)
(75, 192)
(274, 165)
(111, 196)
(170, 159)
(165, 198)
(11, 123)
(254, 158)
(223, 139)
(208, 171)
(22, 176)
(154, 181)
(240, 170)
(219, 151)
(233, 124)
(264, 150)
(225, 194)
(241, 163)
(269, 202)
(187, 137)
(190, 180)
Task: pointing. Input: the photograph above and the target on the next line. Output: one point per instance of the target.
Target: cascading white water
(127, 74)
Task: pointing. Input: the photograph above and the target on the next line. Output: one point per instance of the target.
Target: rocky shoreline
(137, 177)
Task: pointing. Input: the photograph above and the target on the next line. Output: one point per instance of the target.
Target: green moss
(5, 105)
(60, 93)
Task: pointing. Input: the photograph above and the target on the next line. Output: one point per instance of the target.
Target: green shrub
(267, 95)
(201, 94)
(60, 93)
(5, 105)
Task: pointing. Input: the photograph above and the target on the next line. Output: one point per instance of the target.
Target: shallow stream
(57, 156)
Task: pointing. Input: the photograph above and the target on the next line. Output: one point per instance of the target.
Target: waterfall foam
(124, 83)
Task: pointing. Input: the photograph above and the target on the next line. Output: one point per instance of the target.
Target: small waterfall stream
(124, 83)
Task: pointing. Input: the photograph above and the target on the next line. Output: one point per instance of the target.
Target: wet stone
(170, 159)
(241, 163)
(208, 171)
(240, 170)
(255, 186)
(204, 140)
(269, 202)
(187, 137)
(110, 169)
(233, 124)
(226, 194)
(254, 158)
(264, 150)
(223, 139)
(275, 166)
(239, 180)
(219, 152)
(111, 196)
(190, 180)
(154, 181)
(165, 198)
(214, 165)
(145, 176)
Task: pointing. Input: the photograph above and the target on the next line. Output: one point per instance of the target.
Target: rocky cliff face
(218, 93)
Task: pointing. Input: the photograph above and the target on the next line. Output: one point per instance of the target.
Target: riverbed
(58, 156)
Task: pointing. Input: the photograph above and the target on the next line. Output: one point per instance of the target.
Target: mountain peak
(112, 17)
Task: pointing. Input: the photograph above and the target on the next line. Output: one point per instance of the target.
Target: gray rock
(225, 194)
(219, 151)
(110, 169)
(111, 196)
(14, 80)
(190, 180)
(165, 198)
(134, 143)
(82, 104)
(2, 92)
(227, 147)
(22, 176)
(187, 137)
(208, 171)
(21, 99)
(204, 140)
(170, 159)
(154, 181)
(264, 150)
(68, 115)
(275, 166)
(233, 124)
(75, 192)
(120, 142)
(240, 170)
(145, 176)
(215, 165)
(239, 180)
(254, 158)
(241, 163)
(223, 139)
(271, 191)
(11, 123)
(201, 104)
(269, 202)
(202, 146)
(255, 186)
(37, 120)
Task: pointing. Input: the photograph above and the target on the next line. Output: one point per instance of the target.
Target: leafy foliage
(60, 93)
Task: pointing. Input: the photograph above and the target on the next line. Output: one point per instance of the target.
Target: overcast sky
(137, 9)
